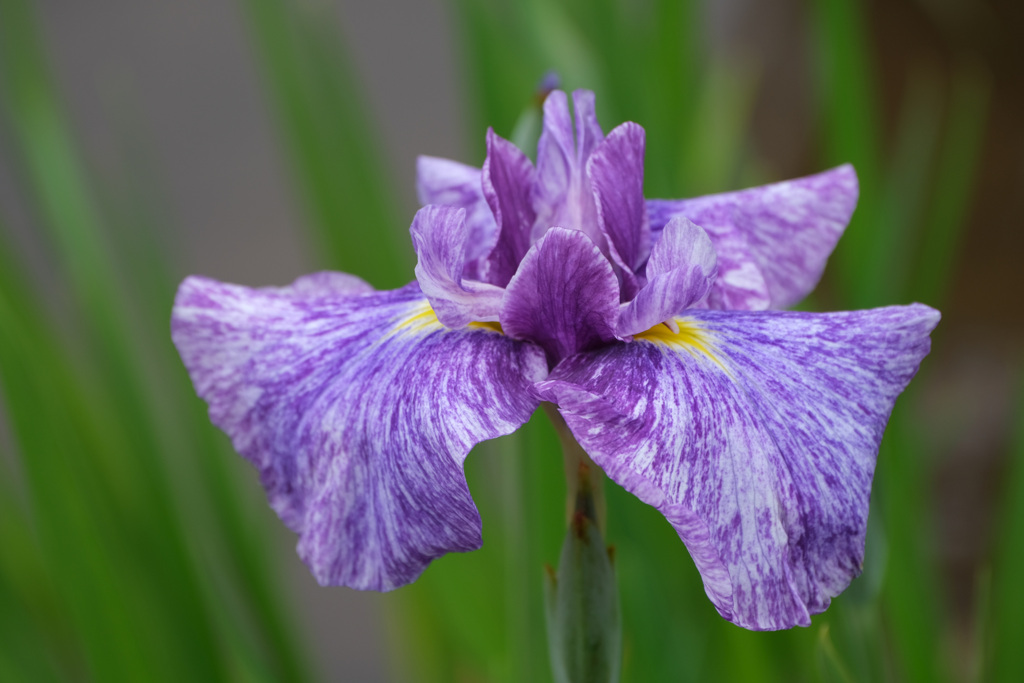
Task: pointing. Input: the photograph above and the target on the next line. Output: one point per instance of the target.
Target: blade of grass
(500, 72)
(905, 193)
(124, 434)
(846, 92)
(911, 595)
(954, 184)
(1005, 658)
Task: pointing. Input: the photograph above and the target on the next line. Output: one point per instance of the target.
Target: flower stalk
(581, 599)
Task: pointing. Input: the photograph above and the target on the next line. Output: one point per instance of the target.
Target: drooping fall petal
(755, 434)
(358, 409)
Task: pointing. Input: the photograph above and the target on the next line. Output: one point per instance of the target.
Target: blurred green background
(255, 140)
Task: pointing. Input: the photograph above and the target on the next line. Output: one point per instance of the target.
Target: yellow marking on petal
(688, 336)
(422, 319)
(488, 326)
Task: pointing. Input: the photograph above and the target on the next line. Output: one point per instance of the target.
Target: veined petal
(508, 179)
(556, 148)
(439, 236)
(449, 183)
(616, 173)
(755, 434)
(790, 228)
(564, 297)
(588, 131)
(680, 272)
(561, 194)
(358, 412)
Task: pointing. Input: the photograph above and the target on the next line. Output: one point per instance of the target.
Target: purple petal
(616, 173)
(556, 149)
(325, 283)
(449, 183)
(740, 285)
(790, 228)
(508, 178)
(565, 297)
(756, 435)
(561, 195)
(358, 412)
(588, 131)
(680, 273)
(439, 235)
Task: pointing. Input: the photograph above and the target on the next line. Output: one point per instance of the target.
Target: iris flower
(648, 323)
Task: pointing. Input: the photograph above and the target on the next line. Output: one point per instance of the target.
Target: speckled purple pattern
(761, 456)
(786, 231)
(357, 413)
(754, 432)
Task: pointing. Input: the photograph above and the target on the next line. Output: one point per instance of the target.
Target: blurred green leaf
(847, 99)
(958, 158)
(93, 420)
(1005, 658)
(335, 156)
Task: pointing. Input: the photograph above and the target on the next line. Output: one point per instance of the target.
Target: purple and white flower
(646, 322)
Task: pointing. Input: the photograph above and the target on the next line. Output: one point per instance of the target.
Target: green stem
(582, 475)
(582, 601)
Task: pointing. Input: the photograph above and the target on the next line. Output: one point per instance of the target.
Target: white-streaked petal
(784, 230)
(358, 412)
(755, 434)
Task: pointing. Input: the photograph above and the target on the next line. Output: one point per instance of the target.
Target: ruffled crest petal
(450, 183)
(680, 273)
(508, 179)
(440, 238)
(565, 297)
(616, 174)
(588, 131)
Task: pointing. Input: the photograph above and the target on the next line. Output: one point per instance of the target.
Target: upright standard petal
(440, 237)
(588, 131)
(755, 434)
(562, 195)
(790, 228)
(508, 178)
(680, 273)
(564, 297)
(358, 412)
(616, 174)
(449, 183)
